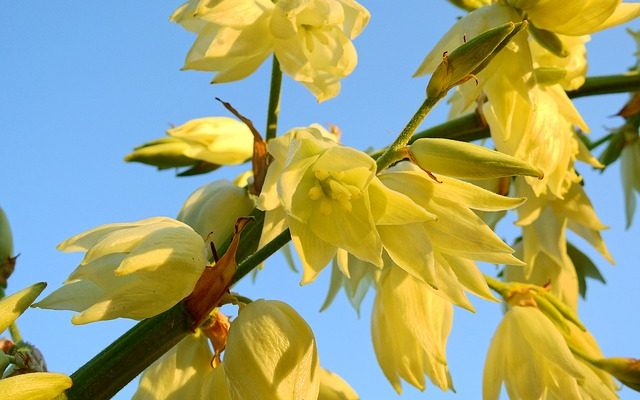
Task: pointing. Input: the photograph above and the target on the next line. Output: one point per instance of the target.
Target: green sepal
(613, 150)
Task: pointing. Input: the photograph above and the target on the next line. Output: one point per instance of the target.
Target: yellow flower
(329, 197)
(213, 209)
(132, 270)
(310, 38)
(451, 242)
(215, 140)
(410, 325)
(271, 354)
(530, 356)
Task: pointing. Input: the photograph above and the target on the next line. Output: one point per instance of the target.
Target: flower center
(331, 191)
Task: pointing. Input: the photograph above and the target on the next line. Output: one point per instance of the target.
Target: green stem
(115, 366)
(274, 99)
(15, 333)
(607, 84)
(395, 151)
(249, 263)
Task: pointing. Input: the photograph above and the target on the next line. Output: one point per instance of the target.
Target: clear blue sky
(82, 83)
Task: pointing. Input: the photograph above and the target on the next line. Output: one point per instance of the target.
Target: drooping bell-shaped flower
(529, 355)
(271, 354)
(131, 270)
(410, 325)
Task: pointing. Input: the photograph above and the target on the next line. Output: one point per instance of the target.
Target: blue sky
(82, 83)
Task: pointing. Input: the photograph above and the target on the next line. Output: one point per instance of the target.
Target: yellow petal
(333, 387)
(34, 386)
(12, 306)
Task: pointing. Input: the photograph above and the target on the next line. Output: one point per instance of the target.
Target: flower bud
(132, 270)
(466, 160)
(626, 370)
(271, 354)
(470, 58)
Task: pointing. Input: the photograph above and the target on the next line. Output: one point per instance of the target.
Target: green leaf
(585, 268)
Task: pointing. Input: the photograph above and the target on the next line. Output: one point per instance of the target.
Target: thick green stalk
(274, 99)
(115, 366)
(395, 151)
(607, 84)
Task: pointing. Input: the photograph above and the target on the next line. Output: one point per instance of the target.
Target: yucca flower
(271, 354)
(330, 198)
(529, 355)
(410, 325)
(310, 38)
(131, 270)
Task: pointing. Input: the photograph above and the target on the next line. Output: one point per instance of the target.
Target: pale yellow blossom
(34, 386)
(132, 270)
(310, 38)
(271, 354)
(410, 325)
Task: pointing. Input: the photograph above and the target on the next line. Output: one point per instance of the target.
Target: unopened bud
(469, 59)
(465, 160)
